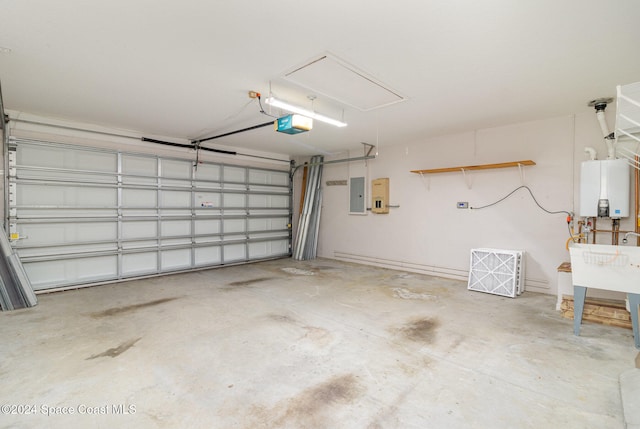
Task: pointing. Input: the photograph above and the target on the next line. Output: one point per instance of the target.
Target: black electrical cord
(532, 196)
(262, 108)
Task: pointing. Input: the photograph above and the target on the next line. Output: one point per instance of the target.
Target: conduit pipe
(602, 120)
(306, 240)
(592, 153)
(600, 105)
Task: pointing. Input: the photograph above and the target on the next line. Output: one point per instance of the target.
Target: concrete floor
(318, 344)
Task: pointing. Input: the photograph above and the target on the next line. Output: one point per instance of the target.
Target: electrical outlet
(463, 205)
(253, 94)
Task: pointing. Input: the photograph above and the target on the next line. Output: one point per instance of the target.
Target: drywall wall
(427, 233)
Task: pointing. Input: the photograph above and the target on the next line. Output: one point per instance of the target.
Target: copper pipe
(594, 230)
(618, 231)
(615, 232)
(580, 223)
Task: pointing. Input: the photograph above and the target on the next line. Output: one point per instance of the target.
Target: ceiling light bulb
(302, 111)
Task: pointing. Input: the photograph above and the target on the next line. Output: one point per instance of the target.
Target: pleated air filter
(498, 272)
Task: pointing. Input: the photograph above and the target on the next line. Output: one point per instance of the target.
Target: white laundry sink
(606, 267)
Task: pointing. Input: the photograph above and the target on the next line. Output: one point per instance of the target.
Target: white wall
(428, 234)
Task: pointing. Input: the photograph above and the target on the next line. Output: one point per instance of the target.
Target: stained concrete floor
(317, 344)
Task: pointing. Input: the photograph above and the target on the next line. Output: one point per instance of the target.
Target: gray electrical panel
(356, 195)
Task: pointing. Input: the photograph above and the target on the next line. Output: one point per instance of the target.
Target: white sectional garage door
(84, 215)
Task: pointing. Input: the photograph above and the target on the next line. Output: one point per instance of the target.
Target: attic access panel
(341, 81)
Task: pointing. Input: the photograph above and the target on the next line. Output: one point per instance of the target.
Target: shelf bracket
(427, 182)
(467, 179)
(521, 170)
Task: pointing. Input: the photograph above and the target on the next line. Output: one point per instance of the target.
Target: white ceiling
(183, 69)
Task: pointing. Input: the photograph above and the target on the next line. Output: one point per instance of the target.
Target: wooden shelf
(475, 167)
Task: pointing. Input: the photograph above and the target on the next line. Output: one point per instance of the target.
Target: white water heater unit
(604, 188)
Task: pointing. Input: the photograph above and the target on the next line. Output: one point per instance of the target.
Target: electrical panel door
(380, 195)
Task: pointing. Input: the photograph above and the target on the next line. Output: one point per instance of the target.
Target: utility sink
(607, 267)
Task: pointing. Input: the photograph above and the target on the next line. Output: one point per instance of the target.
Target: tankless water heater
(604, 188)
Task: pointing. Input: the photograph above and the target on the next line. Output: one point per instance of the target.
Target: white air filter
(499, 272)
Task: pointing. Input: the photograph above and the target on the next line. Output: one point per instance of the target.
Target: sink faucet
(624, 240)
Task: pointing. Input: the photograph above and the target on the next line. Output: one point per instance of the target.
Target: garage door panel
(208, 213)
(207, 173)
(268, 249)
(208, 199)
(234, 200)
(176, 259)
(265, 224)
(176, 228)
(92, 197)
(139, 244)
(139, 170)
(139, 198)
(173, 214)
(130, 214)
(42, 156)
(95, 161)
(233, 174)
(62, 252)
(269, 201)
(94, 269)
(234, 253)
(45, 275)
(176, 169)
(45, 234)
(176, 183)
(85, 215)
(38, 155)
(211, 255)
(269, 236)
(137, 264)
(176, 242)
(57, 176)
(139, 229)
(233, 226)
(208, 239)
(266, 177)
(177, 199)
(48, 274)
(208, 226)
(269, 212)
(65, 195)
